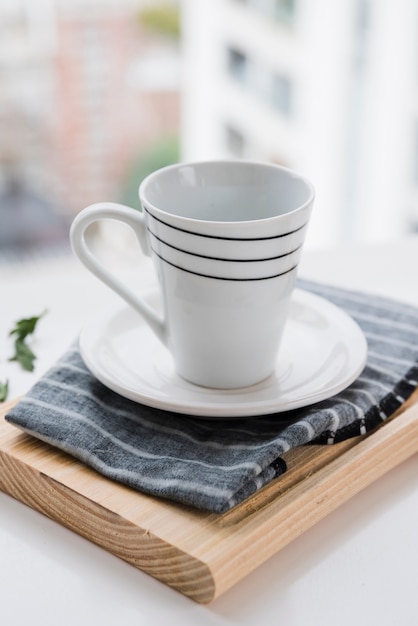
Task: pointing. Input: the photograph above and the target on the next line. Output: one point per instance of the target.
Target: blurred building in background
(327, 88)
(88, 89)
(94, 94)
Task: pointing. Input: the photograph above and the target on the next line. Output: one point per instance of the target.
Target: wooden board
(200, 554)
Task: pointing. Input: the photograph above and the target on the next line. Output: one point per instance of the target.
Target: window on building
(235, 142)
(282, 94)
(237, 65)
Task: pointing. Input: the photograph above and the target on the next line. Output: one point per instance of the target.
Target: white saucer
(323, 351)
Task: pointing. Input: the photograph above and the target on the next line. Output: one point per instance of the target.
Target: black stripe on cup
(248, 279)
(215, 258)
(191, 232)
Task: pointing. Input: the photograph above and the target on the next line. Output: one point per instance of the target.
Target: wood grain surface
(200, 554)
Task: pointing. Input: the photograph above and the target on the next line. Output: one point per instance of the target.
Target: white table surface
(357, 566)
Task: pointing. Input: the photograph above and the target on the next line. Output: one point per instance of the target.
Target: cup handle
(134, 219)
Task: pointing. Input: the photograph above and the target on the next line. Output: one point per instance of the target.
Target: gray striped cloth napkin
(214, 465)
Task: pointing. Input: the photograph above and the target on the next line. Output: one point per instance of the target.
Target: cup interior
(226, 191)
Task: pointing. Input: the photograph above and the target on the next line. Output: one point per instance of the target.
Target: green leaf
(26, 326)
(23, 354)
(4, 390)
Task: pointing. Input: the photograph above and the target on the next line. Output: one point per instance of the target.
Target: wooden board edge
(312, 499)
(136, 545)
(279, 521)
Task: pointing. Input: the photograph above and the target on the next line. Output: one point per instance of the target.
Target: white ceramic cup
(225, 238)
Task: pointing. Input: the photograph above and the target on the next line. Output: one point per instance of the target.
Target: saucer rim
(211, 409)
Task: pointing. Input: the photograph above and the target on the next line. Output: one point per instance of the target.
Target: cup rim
(226, 162)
